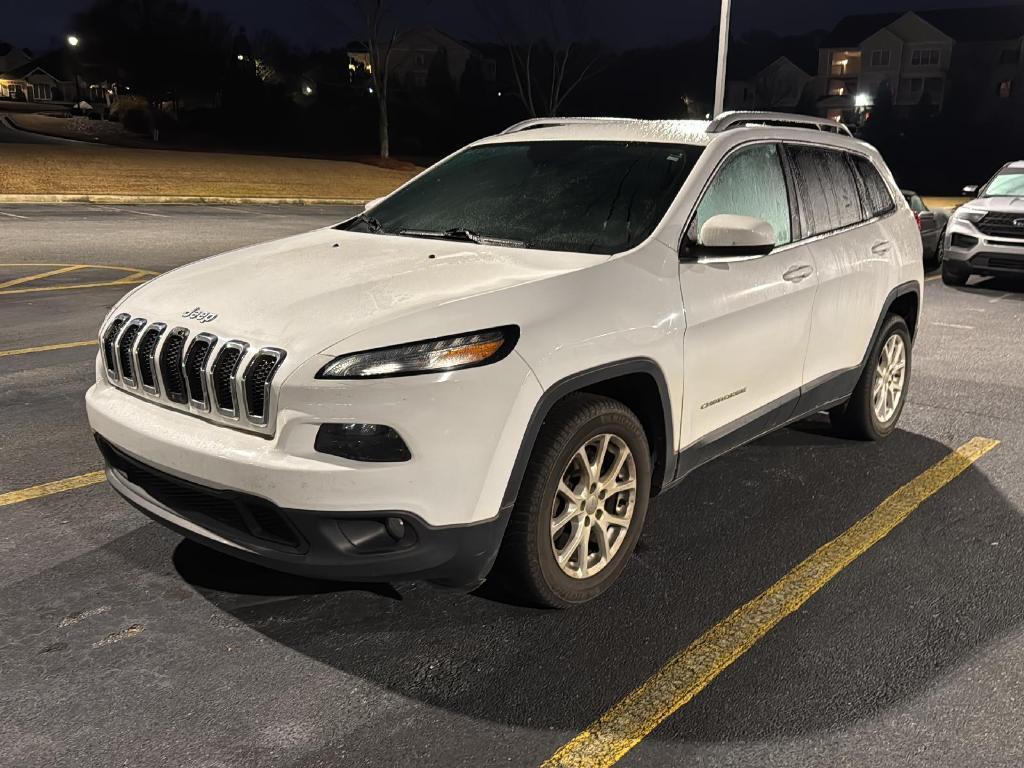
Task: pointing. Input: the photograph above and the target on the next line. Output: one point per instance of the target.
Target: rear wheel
(952, 276)
(582, 504)
(877, 402)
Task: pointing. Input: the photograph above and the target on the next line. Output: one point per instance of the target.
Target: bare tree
(548, 61)
(380, 41)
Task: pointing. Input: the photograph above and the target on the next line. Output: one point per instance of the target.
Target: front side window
(749, 183)
(1008, 183)
(827, 188)
(583, 196)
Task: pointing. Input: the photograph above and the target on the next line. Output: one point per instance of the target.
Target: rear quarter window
(877, 198)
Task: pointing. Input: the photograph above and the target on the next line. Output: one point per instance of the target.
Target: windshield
(1005, 184)
(585, 196)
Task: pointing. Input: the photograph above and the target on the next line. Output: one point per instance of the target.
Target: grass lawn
(38, 169)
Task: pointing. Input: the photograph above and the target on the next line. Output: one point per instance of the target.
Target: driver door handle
(798, 273)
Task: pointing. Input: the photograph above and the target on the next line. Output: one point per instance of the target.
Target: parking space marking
(627, 723)
(999, 298)
(133, 277)
(12, 215)
(954, 325)
(48, 489)
(40, 275)
(47, 348)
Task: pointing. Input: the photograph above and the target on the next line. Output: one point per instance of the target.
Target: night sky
(323, 23)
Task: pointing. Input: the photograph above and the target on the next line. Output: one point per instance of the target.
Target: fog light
(361, 442)
(963, 241)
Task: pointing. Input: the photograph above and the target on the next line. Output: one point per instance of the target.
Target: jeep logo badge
(199, 314)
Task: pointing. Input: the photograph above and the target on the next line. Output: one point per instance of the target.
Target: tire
(952, 276)
(935, 260)
(861, 418)
(527, 564)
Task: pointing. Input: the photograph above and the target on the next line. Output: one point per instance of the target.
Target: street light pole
(73, 42)
(723, 55)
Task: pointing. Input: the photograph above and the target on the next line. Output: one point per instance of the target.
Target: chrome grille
(256, 382)
(194, 369)
(170, 366)
(199, 374)
(109, 339)
(125, 343)
(1003, 225)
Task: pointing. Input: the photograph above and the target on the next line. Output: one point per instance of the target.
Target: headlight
(450, 353)
(972, 215)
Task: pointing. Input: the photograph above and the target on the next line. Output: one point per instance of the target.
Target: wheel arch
(639, 384)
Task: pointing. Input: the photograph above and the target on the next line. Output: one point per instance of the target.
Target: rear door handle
(881, 248)
(798, 273)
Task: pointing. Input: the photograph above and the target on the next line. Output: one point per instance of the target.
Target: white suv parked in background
(986, 236)
(495, 367)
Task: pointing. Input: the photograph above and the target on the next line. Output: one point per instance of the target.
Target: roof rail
(728, 120)
(550, 122)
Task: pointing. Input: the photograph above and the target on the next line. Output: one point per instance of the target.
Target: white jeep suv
(986, 236)
(494, 368)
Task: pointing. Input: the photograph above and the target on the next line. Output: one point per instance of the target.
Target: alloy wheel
(890, 378)
(593, 506)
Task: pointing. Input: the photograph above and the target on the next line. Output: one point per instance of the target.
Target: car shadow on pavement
(935, 591)
(1010, 285)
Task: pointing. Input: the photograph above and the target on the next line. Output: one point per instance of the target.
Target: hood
(308, 292)
(1004, 204)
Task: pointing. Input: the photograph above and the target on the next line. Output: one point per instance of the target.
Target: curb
(177, 200)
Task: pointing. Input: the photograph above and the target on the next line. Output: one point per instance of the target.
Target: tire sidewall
(569, 590)
(894, 326)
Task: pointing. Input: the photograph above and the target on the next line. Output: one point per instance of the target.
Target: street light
(73, 41)
(723, 54)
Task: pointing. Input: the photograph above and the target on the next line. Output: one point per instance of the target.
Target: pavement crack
(74, 618)
(121, 634)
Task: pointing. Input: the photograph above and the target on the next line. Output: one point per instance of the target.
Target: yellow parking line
(623, 726)
(48, 489)
(83, 266)
(129, 280)
(47, 347)
(40, 275)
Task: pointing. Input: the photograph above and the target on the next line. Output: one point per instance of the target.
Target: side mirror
(971, 190)
(372, 203)
(728, 237)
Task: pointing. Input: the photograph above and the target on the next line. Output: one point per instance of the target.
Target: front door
(747, 321)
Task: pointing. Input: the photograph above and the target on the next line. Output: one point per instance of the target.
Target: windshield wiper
(371, 223)
(459, 233)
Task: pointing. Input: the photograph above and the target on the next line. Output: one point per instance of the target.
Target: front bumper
(967, 250)
(333, 546)
(463, 429)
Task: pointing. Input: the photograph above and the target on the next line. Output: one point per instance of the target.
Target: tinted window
(877, 198)
(589, 196)
(827, 189)
(750, 183)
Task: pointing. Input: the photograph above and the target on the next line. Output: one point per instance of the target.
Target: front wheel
(881, 392)
(582, 504)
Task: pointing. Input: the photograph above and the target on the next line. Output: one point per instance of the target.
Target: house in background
(779, 87)
(45, 79)
(413, 54)
(923, 59)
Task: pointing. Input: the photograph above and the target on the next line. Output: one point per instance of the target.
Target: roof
(610, 129)
(51, 63)
(693, 132)
(964, 25)
(852, 30)
(978, 25)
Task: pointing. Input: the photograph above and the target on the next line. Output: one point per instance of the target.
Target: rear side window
(877, 198)
(827, 188)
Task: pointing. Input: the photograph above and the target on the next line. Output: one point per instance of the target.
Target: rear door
(747, 319)
(843, 204)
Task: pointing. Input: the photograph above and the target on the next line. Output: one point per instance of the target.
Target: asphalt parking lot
(122, 644)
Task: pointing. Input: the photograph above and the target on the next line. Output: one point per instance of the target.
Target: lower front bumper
(342, 546)
(986, 256)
